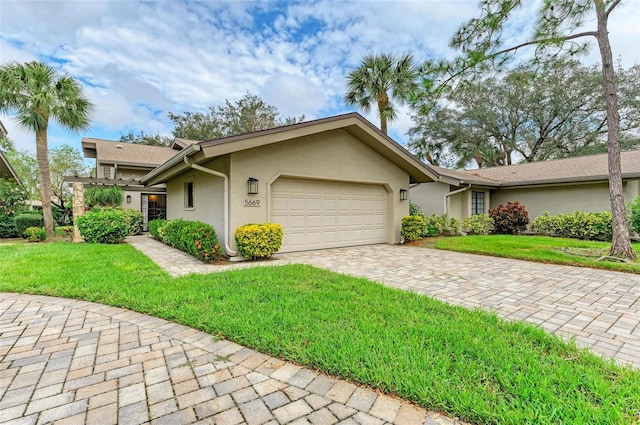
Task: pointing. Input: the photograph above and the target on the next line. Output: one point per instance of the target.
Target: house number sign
(252, 202)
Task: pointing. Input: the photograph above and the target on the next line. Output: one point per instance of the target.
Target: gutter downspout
(446, 197)
(227, 248)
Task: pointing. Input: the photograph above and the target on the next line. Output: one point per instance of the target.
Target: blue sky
(140, 60)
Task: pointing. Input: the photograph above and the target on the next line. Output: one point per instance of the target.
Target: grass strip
(542, 249)
(469, 364)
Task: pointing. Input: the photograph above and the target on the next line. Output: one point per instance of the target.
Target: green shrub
(35, 234)
(12, 202)
(7, 226)
(452, 227)
(258, 240)
(25, 220)
(110, 196)
(634, 215)
(576, 225)
(433, 225)
(66, 231)
(135, 221)
(546, 224)
(414, 209)
(412, 228)
(154, 227)
(103, 226)
(480, 224)
(193, 237)
(509, 219)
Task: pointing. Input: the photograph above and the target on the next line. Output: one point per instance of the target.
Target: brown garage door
(322, 214)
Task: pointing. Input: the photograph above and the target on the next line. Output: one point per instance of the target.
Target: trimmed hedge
(7, 226)
(479, 224)
(193, 237)
(412, 227)
(258, 240)
(135, 221)
(576, 225)
(26, 220)
(103, 226)
(154, 227)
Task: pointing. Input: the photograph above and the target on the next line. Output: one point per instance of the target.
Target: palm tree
(379, 78)
(37, 94)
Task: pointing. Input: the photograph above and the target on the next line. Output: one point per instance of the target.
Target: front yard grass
(542, 249)
(469, 364)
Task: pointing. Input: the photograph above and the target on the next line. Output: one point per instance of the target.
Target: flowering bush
(259, 240)
(509, 219)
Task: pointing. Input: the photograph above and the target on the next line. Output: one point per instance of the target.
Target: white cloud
(140, 60)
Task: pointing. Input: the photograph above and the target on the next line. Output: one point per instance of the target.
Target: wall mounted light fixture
(128, 199)
(252, 186)
(403, 194)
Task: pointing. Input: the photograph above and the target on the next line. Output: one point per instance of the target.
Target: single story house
(558, 186)
(124, 164)
(332, 182)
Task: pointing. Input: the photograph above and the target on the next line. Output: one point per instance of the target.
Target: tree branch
(613, 6)
(544, 40)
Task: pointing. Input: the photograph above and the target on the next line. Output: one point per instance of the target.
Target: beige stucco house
(124, 164)
(331, 182)
(558, 186)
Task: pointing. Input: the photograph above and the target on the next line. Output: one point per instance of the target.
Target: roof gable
(6, 170)
(122, 153)
(353, 123)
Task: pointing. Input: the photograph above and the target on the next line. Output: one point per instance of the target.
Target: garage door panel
(318, 214)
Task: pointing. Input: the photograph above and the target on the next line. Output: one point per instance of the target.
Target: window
(188, 194)
(477, 203)
(108, 172)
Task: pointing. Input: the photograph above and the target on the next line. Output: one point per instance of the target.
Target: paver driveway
(601, 309)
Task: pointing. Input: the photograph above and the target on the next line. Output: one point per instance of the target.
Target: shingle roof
(6, 170)
(110, 151)
(582, 168)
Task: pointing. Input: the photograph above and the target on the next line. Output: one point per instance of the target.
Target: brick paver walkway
(74, 362)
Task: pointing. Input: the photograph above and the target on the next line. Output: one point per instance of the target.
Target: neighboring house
(331, 182)
(124, 164)
(6, 171)
(558, 186)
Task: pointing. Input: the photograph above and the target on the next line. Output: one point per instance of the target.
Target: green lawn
(470, 364)
(542, 249)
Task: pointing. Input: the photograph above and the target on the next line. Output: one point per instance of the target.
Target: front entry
(154, 206)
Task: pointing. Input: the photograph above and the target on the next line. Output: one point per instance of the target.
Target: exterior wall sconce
(252, 184)
(403, 194)
(128, 199)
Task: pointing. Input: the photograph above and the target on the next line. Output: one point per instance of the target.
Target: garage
(318, 214)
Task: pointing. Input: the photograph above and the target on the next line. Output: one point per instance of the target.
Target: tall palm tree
(379, 79)
(36, 94)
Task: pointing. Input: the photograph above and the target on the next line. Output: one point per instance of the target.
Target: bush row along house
(557, 186)
(333, 182)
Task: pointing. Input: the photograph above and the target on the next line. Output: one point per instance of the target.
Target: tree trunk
(621, 242)
(42, 154)
(383, 103)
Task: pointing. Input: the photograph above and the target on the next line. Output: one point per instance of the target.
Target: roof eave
(151, 177)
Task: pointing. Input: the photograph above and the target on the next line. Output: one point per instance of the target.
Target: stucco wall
(330, 156)
(430, 197)
(334, 155)
(557, 199)
(208, 197)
